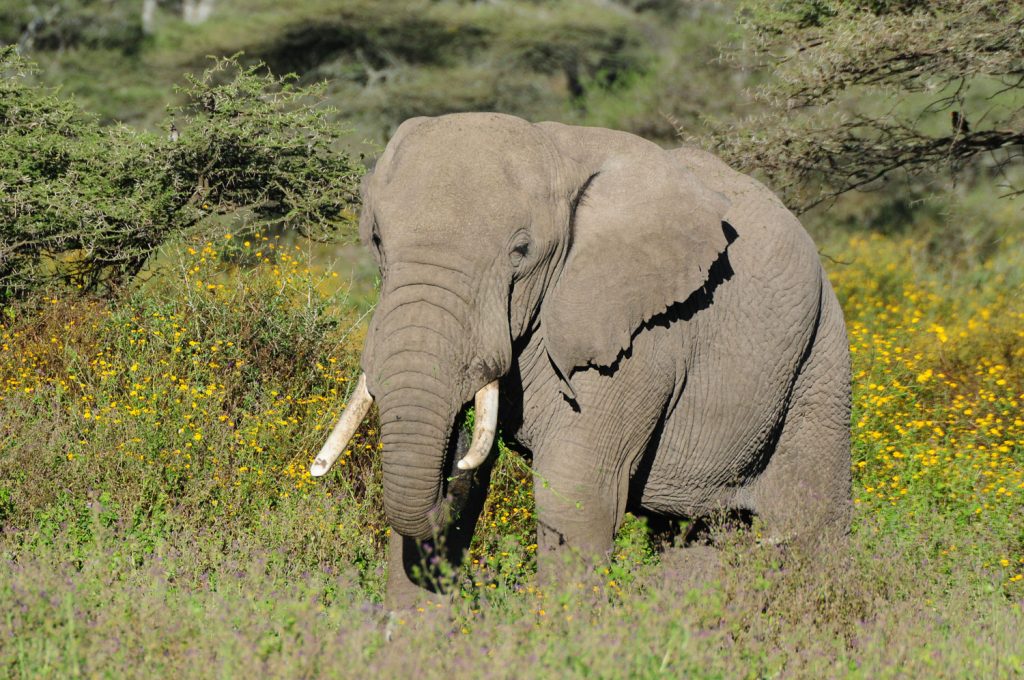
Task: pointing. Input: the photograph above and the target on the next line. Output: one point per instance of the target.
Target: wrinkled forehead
(453, 177)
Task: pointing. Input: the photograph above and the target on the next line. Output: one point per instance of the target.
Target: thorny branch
(865, 95)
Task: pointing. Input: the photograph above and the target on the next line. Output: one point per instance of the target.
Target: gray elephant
(654, 327)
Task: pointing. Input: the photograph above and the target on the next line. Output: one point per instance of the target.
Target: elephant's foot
(403, 594)
(692, 566)
(564, 568)
(569, 552)
(418, 577)
(412, 602)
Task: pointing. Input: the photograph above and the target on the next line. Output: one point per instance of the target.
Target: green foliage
(389, 61)
(88, 205)
(190, 402)
(784, 17)
(682, 86)
(252, 141)
(779, 16)
(864, 92)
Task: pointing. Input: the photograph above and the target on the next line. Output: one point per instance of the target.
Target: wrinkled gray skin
(662, 329)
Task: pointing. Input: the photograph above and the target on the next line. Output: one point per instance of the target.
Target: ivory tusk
(486, 425)
(358, 405)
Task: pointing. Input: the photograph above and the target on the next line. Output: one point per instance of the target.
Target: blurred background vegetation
(384, 61)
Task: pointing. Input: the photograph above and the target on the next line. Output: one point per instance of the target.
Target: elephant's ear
(644, 235)
(382, 172)
(366, 214)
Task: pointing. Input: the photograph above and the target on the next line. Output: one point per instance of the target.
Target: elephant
(653, 327)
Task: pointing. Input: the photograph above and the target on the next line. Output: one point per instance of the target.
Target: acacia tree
(88, 205)
(864, 90)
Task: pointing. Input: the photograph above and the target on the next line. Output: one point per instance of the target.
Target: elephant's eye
(519, 251)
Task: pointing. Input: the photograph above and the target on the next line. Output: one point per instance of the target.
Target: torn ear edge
(565, 381)
(366, 217)
(564, 376)
(640, 243)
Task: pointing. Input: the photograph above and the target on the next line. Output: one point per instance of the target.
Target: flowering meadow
(158, 517)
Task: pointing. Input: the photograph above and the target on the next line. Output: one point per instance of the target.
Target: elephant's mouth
(454, 490)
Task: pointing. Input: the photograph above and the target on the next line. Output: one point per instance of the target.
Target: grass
(157, 517)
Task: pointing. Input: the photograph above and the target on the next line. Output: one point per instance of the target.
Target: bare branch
(860, 95)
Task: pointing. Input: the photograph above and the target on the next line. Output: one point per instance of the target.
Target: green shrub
(88, 205)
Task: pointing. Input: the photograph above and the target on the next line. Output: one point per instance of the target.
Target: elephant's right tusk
(358, 405)
(484, 428)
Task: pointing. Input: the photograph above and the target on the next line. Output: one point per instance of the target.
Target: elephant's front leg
(580, 494)
(406, 584)
(581, 478)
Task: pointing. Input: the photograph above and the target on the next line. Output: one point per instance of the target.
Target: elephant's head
(487, 228)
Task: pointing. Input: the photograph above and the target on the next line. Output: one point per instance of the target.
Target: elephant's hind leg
(805, 487)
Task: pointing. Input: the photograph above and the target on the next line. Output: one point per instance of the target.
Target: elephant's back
(755, 211)
(743, 351)
(775, 270)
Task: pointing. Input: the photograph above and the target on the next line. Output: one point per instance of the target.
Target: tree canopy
(864, 90)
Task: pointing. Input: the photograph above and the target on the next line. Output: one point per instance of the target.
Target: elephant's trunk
(417, 348)
(416, 423)
(415, 359)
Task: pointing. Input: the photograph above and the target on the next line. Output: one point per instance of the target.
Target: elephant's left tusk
(358, 405)
(484, 428)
